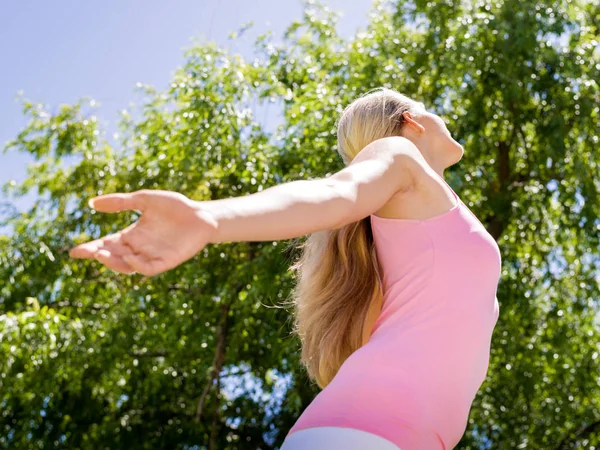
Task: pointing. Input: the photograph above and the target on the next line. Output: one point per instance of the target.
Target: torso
(427, 197)
(414, 380)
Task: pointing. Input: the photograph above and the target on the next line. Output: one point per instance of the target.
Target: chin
(452, 153)
(457, 153)
(460, 151)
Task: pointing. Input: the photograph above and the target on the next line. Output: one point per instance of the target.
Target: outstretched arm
(301, 207)
(172, 228)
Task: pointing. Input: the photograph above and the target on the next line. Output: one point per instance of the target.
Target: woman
(396, 294)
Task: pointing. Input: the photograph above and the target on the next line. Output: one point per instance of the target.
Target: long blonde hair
(338, 293)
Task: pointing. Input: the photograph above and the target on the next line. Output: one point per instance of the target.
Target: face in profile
(448, 149)
(433, 138)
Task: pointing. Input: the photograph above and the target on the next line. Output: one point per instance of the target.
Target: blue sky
(58, 52)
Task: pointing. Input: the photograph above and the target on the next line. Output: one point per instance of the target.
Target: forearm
(281, 212)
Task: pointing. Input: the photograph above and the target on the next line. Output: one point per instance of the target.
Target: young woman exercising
(396, 296)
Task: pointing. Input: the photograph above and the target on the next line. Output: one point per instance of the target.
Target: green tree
(196, 357)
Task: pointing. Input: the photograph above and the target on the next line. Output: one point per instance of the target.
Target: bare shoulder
(400, 153)
(427, 196)
(394, 146)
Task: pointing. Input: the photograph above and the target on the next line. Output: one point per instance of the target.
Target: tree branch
(581, 432)
(216, 417)
(218, 359)
(222, 334)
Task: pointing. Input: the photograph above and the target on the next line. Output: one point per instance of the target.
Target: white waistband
(336, 438)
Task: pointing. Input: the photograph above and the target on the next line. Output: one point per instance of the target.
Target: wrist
(209, 220)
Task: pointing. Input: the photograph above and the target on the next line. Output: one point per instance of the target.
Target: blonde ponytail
(338, 294)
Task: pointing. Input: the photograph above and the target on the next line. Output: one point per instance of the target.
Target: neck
(431, 161)
(439, 169)
(435, 165)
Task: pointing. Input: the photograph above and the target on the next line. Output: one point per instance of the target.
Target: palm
(170, 231)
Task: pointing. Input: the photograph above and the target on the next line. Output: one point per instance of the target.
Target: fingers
(113, 262)
(93, 250)
(143, 265)
(111, 203)
(118, 258)
(107, 250)
(86, 250)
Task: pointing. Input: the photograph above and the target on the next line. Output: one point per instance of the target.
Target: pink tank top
(414, 381)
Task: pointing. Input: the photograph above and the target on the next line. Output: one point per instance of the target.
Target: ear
(411, 122)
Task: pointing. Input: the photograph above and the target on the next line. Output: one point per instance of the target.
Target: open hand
(171, 230)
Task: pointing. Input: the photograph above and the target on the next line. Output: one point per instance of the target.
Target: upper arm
(382, 169)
